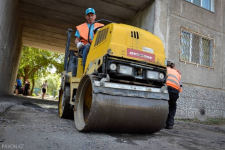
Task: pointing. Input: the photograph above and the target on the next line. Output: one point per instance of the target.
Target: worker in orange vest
(174, 87)
(81, 34)
(180, 79)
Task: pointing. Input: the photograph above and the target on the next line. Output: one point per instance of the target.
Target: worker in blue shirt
(18, 85)
(82, 32)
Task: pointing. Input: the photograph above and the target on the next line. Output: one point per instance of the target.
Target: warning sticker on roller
(140, 55)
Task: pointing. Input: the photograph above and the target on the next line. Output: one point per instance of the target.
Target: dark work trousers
(173, 95)
(25, 91)
(85, 52)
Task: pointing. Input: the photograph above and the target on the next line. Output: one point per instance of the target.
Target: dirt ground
(34, 124)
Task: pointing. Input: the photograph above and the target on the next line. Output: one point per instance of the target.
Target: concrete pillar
(144, 19)
(10, 45)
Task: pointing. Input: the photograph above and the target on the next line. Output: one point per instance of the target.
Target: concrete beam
(42, 41)
(45, 33)
(102, 7)
(131, 4)
(53, 38)
(43, 46)
(70, 9)
(51, 14)
(43, 27)
(32, 34)
(46, 21)
(49, 39)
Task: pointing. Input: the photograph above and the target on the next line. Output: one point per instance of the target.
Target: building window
(196, 48)
(207, 4)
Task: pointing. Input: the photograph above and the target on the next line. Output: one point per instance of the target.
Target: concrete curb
(5, 105)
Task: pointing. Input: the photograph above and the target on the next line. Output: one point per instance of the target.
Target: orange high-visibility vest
(173, 79)
(83, 30)
(177, 71)
(180, 75)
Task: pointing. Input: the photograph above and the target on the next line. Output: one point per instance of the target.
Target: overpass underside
(43, 24)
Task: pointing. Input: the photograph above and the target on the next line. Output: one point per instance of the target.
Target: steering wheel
(96, 29)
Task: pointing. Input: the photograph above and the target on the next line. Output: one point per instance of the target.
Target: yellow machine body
(106, 100)
(126, 42)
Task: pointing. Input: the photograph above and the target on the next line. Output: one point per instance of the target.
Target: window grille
(196, 48)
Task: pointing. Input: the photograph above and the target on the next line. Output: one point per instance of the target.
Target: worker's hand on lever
(80, 45)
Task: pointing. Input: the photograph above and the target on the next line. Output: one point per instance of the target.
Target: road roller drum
(121, 110)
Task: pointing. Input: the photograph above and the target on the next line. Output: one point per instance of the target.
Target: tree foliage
(35, 63)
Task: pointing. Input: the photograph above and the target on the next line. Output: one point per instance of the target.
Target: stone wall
(197, 102)
(10, 45)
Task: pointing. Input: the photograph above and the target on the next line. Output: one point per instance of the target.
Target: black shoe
(169, 127)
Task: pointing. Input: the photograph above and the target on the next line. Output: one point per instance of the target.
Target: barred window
(196, 48)
(207, 4)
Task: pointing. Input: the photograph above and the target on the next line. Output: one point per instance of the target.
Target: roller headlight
(113, 67)
(161, 76)
(125, 70)
(152, 75)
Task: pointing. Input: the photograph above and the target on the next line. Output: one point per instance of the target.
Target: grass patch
(209, 121)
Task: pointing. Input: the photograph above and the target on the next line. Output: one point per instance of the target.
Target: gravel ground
(34, 124)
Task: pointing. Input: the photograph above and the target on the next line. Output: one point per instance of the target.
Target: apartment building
(193, 35)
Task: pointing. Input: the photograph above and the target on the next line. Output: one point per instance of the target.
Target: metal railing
(196, 48)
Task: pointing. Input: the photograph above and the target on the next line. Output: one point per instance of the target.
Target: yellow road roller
(122, 86)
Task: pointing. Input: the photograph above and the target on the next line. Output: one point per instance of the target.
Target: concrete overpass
(43, 24)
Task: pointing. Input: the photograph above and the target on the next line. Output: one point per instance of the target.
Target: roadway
(28, 123)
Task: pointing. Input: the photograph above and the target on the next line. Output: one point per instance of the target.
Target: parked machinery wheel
(64, 109)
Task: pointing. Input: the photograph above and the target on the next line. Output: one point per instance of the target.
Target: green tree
(35, 63)
(33, 78)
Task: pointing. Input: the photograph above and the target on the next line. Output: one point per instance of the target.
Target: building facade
(193, 35)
